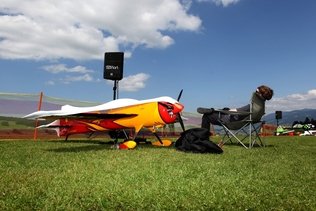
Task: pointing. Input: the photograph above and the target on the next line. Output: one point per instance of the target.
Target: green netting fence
(21, 104)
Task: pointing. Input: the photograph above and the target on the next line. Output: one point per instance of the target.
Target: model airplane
(115, 115)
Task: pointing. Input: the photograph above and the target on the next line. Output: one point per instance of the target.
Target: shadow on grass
(94, 145)
(81, 141)
(78, 149)
(247, 144)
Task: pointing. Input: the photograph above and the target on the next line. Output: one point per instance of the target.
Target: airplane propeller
(179, 115)
(179, 96)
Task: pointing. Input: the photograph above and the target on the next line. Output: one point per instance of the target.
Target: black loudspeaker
(113, 65)
(278, 114)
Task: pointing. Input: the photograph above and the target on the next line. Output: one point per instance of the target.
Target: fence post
(36, 121)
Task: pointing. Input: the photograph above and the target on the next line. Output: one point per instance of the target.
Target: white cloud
(77, 29)
(59, 68)
(50, 83)
(133, 83)
(293, 102)
(79, 73)
(225, 3)
(85, 77)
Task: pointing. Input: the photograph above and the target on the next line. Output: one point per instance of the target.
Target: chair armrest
(233, 112)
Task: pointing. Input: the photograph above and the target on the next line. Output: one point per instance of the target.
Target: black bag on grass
(197, 140)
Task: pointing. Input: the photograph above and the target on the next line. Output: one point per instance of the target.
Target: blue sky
(218, 51)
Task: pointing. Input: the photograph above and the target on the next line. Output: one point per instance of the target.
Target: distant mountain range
(288, 117)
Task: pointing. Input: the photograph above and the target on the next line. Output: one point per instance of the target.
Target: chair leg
(229, 138)
(257, 136)
(250, 137)
(248, 129)
(239, 140)
(228, 133)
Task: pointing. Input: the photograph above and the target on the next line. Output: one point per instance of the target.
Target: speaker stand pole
(115, 89)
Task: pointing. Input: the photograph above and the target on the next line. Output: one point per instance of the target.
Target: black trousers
(208, 119)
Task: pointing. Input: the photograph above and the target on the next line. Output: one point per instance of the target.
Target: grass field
(89, 175)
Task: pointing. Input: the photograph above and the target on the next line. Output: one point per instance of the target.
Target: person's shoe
(205, 110)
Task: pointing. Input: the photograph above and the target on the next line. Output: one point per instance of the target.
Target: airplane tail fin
(55, 125)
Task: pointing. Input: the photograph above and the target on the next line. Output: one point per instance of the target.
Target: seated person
(211, 116)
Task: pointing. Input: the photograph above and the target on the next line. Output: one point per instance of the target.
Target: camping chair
(248, 127)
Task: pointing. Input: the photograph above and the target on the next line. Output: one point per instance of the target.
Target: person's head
(265, 92)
